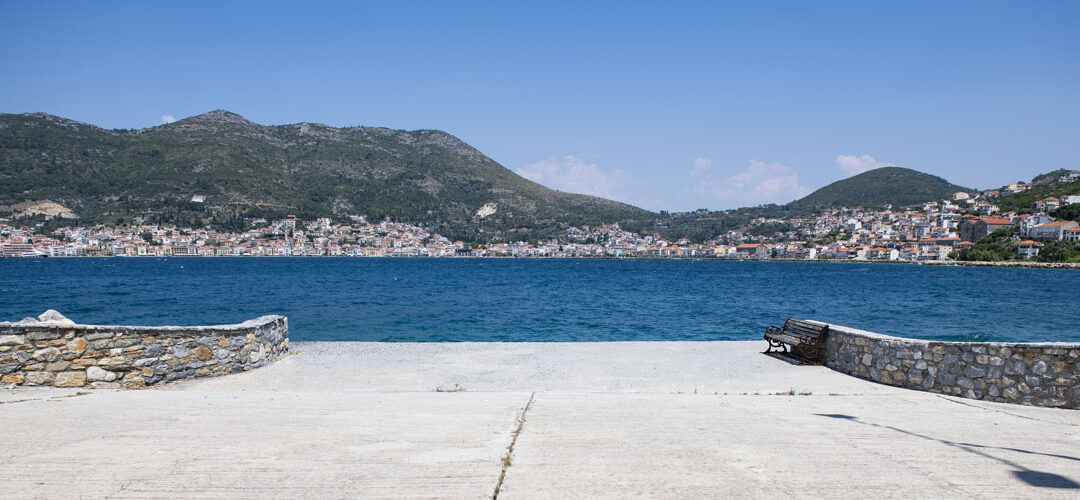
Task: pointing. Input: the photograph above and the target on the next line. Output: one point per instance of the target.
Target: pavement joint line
(510, 449)
(946, 398)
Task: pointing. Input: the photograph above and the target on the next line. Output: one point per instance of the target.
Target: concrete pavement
(616, 420)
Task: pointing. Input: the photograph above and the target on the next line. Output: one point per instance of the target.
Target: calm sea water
(435, 300)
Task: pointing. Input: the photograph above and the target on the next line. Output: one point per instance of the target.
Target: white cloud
(701, 167)
(760, 182)
(853, 164)
(574, 175)
(165, 119)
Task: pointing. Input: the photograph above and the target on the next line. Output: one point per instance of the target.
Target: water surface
(438, 300)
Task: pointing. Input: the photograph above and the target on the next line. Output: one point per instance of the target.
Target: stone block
(47, 354)
(76, 346)
(58, 366)
(115, 362)
(50, 334)
(70, 379)
(96, 374)
(13, 378)
(104, 385)
(12, 340)
(133, 380)
(1015, 367)
(99, 336)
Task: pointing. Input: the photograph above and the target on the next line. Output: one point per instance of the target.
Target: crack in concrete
(510, 449)
(46, 399)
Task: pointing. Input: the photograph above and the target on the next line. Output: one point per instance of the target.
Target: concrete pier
(610, 420)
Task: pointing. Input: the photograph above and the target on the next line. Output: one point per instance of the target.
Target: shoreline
(1014, 264)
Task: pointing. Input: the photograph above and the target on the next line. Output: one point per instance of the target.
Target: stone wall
(54, 351)
(1037, 374)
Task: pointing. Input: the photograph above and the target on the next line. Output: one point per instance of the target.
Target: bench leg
(777, 345)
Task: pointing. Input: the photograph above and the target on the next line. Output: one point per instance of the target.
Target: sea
(548, 300)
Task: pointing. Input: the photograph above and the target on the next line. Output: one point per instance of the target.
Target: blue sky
(665, 105)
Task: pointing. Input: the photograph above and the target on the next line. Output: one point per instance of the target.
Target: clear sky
(667, 105)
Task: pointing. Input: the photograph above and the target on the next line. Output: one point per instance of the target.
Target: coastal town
(934, 231)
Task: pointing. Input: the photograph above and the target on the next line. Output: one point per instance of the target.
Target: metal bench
(804, 337)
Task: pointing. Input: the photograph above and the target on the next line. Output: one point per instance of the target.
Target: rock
(154, 350)
(973, 371)
(58, 366)
(70, 379)
(14, 378)
(12, 340)
(100, 335)
(133, 380)
(47, 354)
(39, 378)
(104, 385)
(204, 354)
(95, 374)
(54, 318)
(77, 346)
(47, 334)
(1073, 394)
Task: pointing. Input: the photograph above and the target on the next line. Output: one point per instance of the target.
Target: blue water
(440, 300)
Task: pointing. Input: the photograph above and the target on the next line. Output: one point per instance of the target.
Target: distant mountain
(895, 186)
(237, 168)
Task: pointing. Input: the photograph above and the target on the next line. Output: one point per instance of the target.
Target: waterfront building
(1052, 230)
(1028, 249)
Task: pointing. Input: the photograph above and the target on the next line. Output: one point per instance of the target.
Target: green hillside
(249, 170)
(1022, 202)
(895, 186)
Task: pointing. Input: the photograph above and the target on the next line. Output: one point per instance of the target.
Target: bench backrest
(805, 330)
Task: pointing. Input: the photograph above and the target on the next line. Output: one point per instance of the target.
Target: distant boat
(33, 253)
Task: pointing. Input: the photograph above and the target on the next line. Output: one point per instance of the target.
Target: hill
(895, 186)
(1042, 186)
(239, 169)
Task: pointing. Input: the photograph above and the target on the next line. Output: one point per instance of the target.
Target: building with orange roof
(1028, 249)
(977, 229)
(1071, 234)
(1052, 230)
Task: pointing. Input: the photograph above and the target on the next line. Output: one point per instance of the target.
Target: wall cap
(880, 336)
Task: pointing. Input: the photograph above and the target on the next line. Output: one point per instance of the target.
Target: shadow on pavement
(1031, 477)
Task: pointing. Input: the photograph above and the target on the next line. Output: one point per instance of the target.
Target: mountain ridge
(245, 169)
